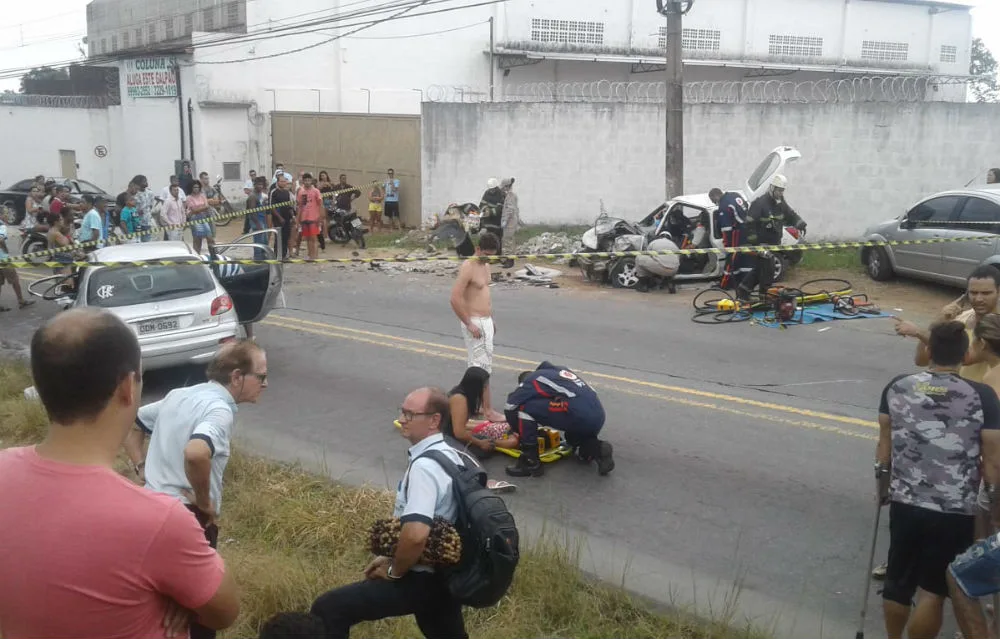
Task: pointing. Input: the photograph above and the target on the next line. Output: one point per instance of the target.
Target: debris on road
(440, 268)
(551, 243)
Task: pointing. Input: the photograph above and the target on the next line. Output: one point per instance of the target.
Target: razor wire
(910, 88)
(56, 101)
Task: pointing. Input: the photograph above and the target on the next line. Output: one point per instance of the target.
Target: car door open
(253, 287)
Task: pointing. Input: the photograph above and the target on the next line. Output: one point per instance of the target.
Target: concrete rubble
(551, 243)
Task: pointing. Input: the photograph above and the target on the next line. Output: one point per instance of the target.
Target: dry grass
(289, 535)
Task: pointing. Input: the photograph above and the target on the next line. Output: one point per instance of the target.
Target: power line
(421, 35)
(214, 40)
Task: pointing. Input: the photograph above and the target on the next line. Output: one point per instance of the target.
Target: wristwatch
(388, 573)
(881, 469)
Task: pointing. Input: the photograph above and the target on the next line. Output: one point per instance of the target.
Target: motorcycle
(33, 240)
(346, 226)
(610, 234)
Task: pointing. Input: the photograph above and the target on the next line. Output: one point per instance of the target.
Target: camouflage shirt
(936, 423)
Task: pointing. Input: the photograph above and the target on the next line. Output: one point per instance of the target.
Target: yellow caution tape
(823, 246)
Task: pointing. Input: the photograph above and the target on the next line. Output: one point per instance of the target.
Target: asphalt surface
(744, 454)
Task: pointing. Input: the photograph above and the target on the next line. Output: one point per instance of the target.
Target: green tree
(983, 67)
(47, 73)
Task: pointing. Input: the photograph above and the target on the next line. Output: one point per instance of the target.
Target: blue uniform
(555, 396)
(730, 218)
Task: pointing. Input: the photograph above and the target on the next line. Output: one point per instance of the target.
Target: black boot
(599, 451)
(528, 464)
(642, 285)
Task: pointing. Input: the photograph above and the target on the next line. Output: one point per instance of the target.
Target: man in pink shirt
(84, 553)
(310, 202)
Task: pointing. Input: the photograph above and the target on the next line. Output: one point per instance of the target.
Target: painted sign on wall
(150, 78)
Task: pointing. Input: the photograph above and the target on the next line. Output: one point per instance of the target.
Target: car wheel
(624, 274)
(877, 264)
(780, 267)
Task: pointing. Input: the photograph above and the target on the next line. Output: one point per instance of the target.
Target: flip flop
(25, 304)
(500, 486)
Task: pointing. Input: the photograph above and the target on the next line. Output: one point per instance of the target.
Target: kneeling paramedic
(658, 270)
(556, 397)
(765, 225)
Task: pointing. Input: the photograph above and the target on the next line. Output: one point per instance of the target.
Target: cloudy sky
(37, 33)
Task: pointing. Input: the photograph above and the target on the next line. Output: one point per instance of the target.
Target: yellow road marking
(804, 412)
(446, 352)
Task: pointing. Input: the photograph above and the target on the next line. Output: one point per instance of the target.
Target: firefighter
(730, 218)
(765, 223)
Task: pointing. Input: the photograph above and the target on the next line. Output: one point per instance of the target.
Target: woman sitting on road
(465, 401)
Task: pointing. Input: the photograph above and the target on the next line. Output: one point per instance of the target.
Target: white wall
(862, 162)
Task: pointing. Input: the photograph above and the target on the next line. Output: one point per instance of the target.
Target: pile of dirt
(439, 267)
(551, 243)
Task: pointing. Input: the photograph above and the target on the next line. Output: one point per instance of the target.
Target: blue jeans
(144, 228)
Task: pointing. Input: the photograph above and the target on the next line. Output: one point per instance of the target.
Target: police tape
(177, 227)
(789, 248)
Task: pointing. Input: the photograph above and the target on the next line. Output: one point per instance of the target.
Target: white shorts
(481, 348)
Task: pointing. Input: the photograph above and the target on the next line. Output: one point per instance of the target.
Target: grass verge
(833, 260)
(399, 239)
(289, 535)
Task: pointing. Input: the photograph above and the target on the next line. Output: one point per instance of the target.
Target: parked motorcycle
(33, 241)
(346, 226)
(611, 234)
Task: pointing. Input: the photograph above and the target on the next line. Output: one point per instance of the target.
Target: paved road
(743, 453)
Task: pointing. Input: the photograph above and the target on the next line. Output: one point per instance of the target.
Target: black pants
(762, 275)
(285, 234)
(212, 535)
(423, 595)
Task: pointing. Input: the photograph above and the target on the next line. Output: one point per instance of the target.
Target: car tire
(624, 274)
(780, 267)
(877, 264)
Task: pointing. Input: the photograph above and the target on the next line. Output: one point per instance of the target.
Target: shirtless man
(470, 299)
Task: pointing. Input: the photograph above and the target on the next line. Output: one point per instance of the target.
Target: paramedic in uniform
(658, 269)
(397, 586)
(556, 397)
(730, 218)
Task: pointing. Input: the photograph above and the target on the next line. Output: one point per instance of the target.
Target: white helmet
(779, 181)
(492, 183)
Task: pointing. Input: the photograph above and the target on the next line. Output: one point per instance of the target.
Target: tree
(48, 73)
(983, 66)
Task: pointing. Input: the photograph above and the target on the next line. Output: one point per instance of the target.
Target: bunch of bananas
(444, 545)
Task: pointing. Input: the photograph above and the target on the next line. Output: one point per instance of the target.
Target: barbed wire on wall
(58, 101)
(861, 89)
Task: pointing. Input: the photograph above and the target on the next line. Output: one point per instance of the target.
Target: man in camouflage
(933, 427)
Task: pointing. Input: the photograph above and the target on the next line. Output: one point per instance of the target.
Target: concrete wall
(861, 162)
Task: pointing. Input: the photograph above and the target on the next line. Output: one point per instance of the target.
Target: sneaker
(879, 572)
(605, 461)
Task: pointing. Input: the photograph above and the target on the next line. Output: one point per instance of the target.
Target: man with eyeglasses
(191, 432)
(398, 585)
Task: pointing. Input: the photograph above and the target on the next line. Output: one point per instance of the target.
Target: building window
(208, 19)
(125, 40)
(168, 27)
(795, 46)
(188, 24)
(232, 171)
(694, 39)
(114, 43)
(567, 31)
(949, 54)
(104, 46)
(138, 37)
(151, 30)
(884, 51)
(232, 14)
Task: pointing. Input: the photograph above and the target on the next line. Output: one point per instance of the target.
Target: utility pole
(674, 10)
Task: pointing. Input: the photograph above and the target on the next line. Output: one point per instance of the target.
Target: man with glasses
(191, 432)
(398, 585)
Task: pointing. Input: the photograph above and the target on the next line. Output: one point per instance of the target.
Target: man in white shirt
(191, 432)
(165, 194)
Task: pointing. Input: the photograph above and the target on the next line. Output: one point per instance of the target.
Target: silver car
(180, 313)
(947, 215)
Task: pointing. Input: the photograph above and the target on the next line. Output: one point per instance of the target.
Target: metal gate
(362, 146)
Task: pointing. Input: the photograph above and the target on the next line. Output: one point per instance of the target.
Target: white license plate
(356, 223)
(159, 326)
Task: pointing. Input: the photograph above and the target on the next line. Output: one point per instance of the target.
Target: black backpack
(490, 541)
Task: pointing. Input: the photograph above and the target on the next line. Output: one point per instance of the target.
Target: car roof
(700, 200)
(988, 191)
(144, 251)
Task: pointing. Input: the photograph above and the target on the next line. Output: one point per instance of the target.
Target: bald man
(135, 558)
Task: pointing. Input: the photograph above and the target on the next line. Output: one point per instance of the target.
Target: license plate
(159, 326)
(356, 223)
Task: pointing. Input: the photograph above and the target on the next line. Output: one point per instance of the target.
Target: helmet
(492, 183)
(665, 235)
(779, 181)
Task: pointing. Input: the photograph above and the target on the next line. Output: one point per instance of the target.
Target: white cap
(779, 181)
(492, 183)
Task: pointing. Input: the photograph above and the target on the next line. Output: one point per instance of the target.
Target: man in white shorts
(470, 299)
